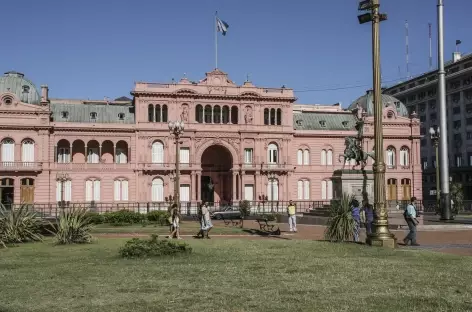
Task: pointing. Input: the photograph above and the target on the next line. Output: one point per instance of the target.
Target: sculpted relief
(184, 114)
(248, 115)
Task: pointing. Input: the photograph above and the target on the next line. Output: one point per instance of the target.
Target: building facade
(420, 95)
(240, 142)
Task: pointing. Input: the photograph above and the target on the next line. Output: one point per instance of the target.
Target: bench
(264, 225)
(231, 220)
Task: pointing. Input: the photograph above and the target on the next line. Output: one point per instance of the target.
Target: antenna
(430, 49)
(407, 52)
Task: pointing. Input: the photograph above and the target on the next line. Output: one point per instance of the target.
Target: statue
(355, 152)
(248, 115)
(184, 114)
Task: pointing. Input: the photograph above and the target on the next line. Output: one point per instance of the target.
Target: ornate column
(234, 186)
(241, 182)
(221, 115)
(86, 153)
(114, 153)
(192, 186)
(199, 186)
(100, 153)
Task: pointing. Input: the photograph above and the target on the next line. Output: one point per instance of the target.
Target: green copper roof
(367, 103)
(323, 121)
(24, 89)
(86, 112)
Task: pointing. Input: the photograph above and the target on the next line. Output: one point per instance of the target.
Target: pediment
(249, 93)
(186, 91)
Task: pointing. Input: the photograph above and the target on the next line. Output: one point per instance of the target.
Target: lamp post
(176, 129)
(435, 135)
(382, 235)
(62, 177)
(271, 176)
(443, 150)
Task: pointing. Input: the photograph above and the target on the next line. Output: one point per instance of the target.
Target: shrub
(269, 217)
(73, 227)
(95, 217)
(340, 225)
(123, 217)
(161, 217)
(19, 226)
(153, 247)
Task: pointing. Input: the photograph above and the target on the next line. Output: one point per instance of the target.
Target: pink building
(240, 142)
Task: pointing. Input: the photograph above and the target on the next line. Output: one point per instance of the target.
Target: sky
(91, 49)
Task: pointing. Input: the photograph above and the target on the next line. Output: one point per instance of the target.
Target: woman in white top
(175, 217)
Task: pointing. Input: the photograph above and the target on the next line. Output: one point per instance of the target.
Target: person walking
(356, 215)
(206, 221)
(200, 221)
(175, 216)
(367, 216)
(410, 218)
(292, 218)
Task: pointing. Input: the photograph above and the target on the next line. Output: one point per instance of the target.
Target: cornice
(96, 130)
(212, 96)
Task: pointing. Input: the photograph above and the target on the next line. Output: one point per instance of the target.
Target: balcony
(16, 166)
(276, 167)
(158, 166)
(90, 166)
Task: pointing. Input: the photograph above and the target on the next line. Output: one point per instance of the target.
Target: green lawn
(233, 275)
(186, 228)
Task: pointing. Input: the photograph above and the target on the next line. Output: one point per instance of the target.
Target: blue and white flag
(221, 26)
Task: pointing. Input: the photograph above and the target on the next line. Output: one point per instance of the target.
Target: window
(8, 152)
(327, 190)
(26, 89)
(432, 104)
(63, 155)
(303, 157)
(404, 156)
(150, 113)
(7, 100)
(157, 153)
(64, 191)
(272, 157)
(92, 156)
(433, 116)
(93, 115)
(422, 107)
(345, 124)
(279, 116)
(468, 121)
(27, 151)
(329, 157)
(216, 114)
(225, 114)
(92, 190)
(457, 137)
(184, 192)
(234, 115)
(121, 157)
(248, 153)
(300, 157)
(456, 97)
(469, 135)
(184, 156)
(323, 124)
(158, 113)
(456, 110)
(303, 187)
(273, 189)
(208, 114)
(266, 116)
(391, 161)
(323, 157)
(457, 124)
(470, 159)
(164, 113)
(424, 163)
(121, 116)
(458, 160)
(121, 190)
(199, 113)
(272, 116)
(65, 115)
(423, 142)
(157, 192)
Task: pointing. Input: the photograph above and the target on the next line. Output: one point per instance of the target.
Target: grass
(186, 228)
(233, 275)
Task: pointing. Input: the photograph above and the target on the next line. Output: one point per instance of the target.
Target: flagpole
(216, 40)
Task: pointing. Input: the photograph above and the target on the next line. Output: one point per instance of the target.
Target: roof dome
(367, 103)
(16, 83)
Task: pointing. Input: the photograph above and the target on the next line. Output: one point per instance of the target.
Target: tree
(245, 209)
(457, 197)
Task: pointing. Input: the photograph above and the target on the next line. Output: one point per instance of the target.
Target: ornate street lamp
(435, 135)
(62, 177)
(382, 235)
(176, 129)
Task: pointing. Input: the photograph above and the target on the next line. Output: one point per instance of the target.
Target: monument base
(381, 241)
(359, 183)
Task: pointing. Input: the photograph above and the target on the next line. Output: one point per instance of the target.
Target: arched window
(273, 189)
(208, 114)
(157, 191)
(27, 151)
(279, 116)
(92, 190)
(8, 152)
(199, 113)
(217, 114)
(164, 113)
(158, 113)
(303, 187)
(323, 157)
(306, 157)
(266, 116)
(64, 190)
(234, 115)
(272, 154)
(300, 157)
(329, 157)
(157, 153)
(391, 159)
(151, 113)
(404, 156)
(121, 190)
(272, 116)
(327, 190)
(225, 114)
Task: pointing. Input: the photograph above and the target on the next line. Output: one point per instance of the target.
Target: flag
(221, 26)
(458, 42)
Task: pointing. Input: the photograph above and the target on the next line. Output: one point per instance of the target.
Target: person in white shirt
(410, 218)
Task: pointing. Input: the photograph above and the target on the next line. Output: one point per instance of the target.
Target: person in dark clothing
(356, 215)
(410, 218)
(368, 216)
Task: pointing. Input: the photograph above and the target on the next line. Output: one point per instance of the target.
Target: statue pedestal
(359, 183)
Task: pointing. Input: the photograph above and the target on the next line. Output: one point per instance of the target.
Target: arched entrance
(216, 181)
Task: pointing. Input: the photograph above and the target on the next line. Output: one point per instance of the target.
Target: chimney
(456, 56)
(44, 94)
